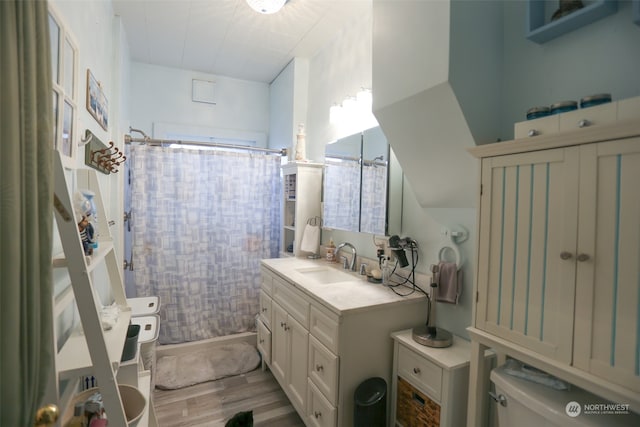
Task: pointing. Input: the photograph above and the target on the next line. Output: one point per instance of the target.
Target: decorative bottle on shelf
(301, 144)
(331, 251)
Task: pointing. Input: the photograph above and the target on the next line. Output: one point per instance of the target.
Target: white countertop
(454, 356)
(341, 297)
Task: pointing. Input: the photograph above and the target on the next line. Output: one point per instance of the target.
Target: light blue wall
(281, 108)
(163, 95)
(601, 57)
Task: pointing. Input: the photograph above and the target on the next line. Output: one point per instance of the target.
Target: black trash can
(370, 403)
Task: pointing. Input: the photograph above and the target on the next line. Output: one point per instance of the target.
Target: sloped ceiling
(226, 37)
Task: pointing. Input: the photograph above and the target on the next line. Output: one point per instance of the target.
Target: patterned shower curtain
(342, 201)
(202, 221)
(374, 199)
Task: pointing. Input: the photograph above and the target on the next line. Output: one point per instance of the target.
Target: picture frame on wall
(97, 103)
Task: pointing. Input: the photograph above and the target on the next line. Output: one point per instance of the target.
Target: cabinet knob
(286, 327)
(583, 257)
(533, 132)
(264, 309)
(317, 414)
(584, 123)
(416, 370)
(282, 324)
(319, 367)
(261, 341)
(566, 255)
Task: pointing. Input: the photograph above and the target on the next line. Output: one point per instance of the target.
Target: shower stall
(198, 221)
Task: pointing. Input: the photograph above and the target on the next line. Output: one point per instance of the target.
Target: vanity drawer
(323, 369)
(587, 117)
(292, 301)
(324, 326)
(264, 341)
(541, 126)
(267, 280)
(425, 375)
(265, 309)
(320, 412)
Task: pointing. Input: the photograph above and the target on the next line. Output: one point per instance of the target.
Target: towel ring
(455, 250)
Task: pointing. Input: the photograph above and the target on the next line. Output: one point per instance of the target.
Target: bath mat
(180, 371)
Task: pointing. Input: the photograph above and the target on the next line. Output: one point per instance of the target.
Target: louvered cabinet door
(607, 338)
(527, 238)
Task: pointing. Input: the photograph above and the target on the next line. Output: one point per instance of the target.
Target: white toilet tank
(528, 404)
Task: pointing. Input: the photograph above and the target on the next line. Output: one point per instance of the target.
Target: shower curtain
(374, 199)
(201, 220)
(341, 195)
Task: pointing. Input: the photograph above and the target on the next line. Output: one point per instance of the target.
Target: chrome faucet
(352, 264)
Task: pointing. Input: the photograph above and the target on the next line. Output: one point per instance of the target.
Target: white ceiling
(228, 38)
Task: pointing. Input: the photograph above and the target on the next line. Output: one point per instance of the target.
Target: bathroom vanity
(323, 330)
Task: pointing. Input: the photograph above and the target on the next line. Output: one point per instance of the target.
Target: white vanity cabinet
(325, 342)
(430, 385)
(290, 341)
(559, 244)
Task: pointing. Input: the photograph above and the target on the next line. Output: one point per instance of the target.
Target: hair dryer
(398, 245)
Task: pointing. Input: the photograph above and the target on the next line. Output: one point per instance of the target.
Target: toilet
(523, 403)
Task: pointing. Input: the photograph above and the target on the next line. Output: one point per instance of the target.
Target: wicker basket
(414, 408)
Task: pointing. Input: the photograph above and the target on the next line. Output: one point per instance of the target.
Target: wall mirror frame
(362, 185)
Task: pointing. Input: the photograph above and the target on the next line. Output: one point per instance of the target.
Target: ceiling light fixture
(266, 7)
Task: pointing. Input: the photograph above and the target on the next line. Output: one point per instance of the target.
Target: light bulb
(266, 7)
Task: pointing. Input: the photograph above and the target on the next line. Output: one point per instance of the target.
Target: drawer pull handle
(418, 398)
(498, 398)
(583, 257)
(533, 132)
(416, 370)
(565, 255)
(317, 414)
(319, 367)
(584, 123)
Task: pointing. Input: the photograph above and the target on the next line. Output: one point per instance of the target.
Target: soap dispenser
(331, 251)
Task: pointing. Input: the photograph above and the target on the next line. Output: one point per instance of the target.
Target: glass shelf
(541, 31)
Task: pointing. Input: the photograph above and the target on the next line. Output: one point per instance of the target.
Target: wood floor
(212, 403)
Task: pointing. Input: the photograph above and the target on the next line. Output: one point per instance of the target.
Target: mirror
(341, 187)
(362, 185)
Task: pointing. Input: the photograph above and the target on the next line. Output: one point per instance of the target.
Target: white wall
(340, 69)
(288, 104)
(281, 93)
(163, 95)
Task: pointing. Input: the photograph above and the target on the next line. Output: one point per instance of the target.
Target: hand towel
(310, 239)
(449, 283)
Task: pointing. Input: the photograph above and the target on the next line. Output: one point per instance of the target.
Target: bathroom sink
(325, 274)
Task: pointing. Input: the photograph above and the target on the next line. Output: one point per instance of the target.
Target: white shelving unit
(91, 352)
(302, 192)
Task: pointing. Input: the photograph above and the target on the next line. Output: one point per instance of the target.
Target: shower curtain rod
(374, 162)
(128, 139)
